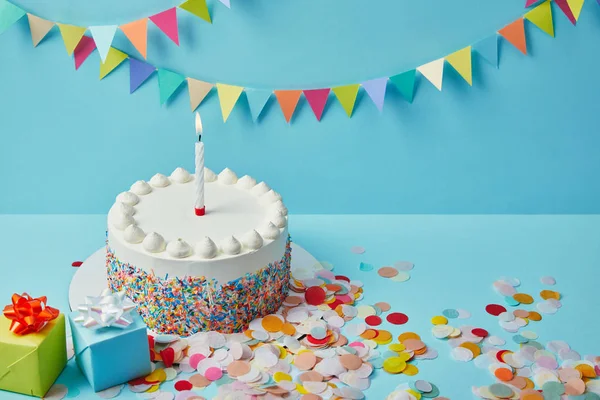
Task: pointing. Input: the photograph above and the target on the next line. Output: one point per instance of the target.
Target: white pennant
(434, 72)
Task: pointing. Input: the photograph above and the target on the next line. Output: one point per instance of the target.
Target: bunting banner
(81, 46)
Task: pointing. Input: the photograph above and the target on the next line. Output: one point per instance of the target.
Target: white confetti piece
(56, 392)
(114, 391)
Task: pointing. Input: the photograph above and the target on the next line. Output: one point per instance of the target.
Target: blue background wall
(523, 139)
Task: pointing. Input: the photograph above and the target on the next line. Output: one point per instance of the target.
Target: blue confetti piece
(450, 313)
(365, 267)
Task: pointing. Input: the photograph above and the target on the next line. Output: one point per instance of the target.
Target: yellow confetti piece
(586, 371)
(281, 376)
(152, 389)
(394, 365)
(159, 375)
(404, 356)
(300, 389)
(472, 347)
(534, 316)
(408, 335)
(415, 394)
(523, 298)
(439, 320)
(397, 347)
(410, 370)
(384, 337)
(549, 294)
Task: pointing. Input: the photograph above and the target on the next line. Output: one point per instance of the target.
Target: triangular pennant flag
(461, 62)
(226, 2)
(198, 8)
(376, 88)
(103, 36)
(167, 22)
(168, 83)
(434, 72)
(137, 33)
(113, 59)
(198, 91)
(346, 95)
(405, 83)
(529, 3)
(541, 16)
(317, 98)
(515, 34)
(9, 14)
(139, 71)
(488, 49)
(228, 96)
(566, 9)
(576, 6)
(84, 48)
(257, 99)
(288, 100)
(71, 36)
(39, 28)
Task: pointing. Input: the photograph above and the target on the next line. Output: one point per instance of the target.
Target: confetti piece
(397, 318)
(373, 320)
(387, 272)
(548, 280)
(365, 267)
(404, 265)
(383, 306)
(357, 249)
(73, 392)
(523, 298)
(314, 295)
(439, 320)
(76, 264)
(450, 313)
(480, 332)
(401, 277)
(183, 385)
(495, 309)
(56, 392)
(110, 392)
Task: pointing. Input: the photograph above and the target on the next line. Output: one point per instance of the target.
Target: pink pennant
(317, 98)
(566, 9)
(529, 3)
(167, 22)
(84, 48)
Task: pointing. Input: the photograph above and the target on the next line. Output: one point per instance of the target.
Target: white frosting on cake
(123, 208)
(128, 198)
(154, 243)
(179, 243)
(231, 246)
(209, 176)
(253, 240)
(206, 248)
(141, 188)
(180, 175)
(246, 182)
(227, 177)
(133, 234)
(159, 181)
(179, 248)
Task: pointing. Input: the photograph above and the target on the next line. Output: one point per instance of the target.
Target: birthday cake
(214, 270)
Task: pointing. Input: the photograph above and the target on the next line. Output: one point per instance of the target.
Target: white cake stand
(90, 278)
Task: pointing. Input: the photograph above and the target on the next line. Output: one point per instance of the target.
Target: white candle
(199, 173)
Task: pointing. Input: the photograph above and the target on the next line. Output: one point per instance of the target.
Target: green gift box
(30, 364)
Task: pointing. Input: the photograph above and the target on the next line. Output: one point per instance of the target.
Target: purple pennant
(139, 71)
(375, 88)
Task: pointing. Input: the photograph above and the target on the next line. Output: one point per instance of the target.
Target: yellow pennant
(39, 28)
(113, 59)
(461, 62)
(71, 36)
(541, 16)
(346, 95)
(576, 6)
(434, 72)
(228, 96)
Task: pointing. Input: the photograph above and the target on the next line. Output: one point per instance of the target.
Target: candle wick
(199, 138)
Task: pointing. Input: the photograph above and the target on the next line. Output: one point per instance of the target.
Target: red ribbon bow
(28, 315)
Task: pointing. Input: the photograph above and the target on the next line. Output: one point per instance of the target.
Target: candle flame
(198, 124)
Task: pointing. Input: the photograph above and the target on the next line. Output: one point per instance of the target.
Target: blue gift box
(110, 356)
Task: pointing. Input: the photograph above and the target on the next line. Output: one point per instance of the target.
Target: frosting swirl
(253, 240)
(227, 177)
(279, 220)
(279, 206)
(206, 248)
(180, 175)
(153, 243)
(141, 188)
(270, 197)
(209, 176)
(128, 198)
(246, 182)
(121, 220)
(260, 189)
(121, 207)
(270, 231)
(231, 246)
(133, 234)
(179, 248)
(159, 181)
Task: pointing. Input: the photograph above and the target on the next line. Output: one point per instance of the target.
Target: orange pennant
(515, 34)
(288, 100)
(137, 33)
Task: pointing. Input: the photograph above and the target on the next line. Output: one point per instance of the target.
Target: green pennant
(9, 14)
(405, 83)
(346, 95)
(168, 83)
(198, 8)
